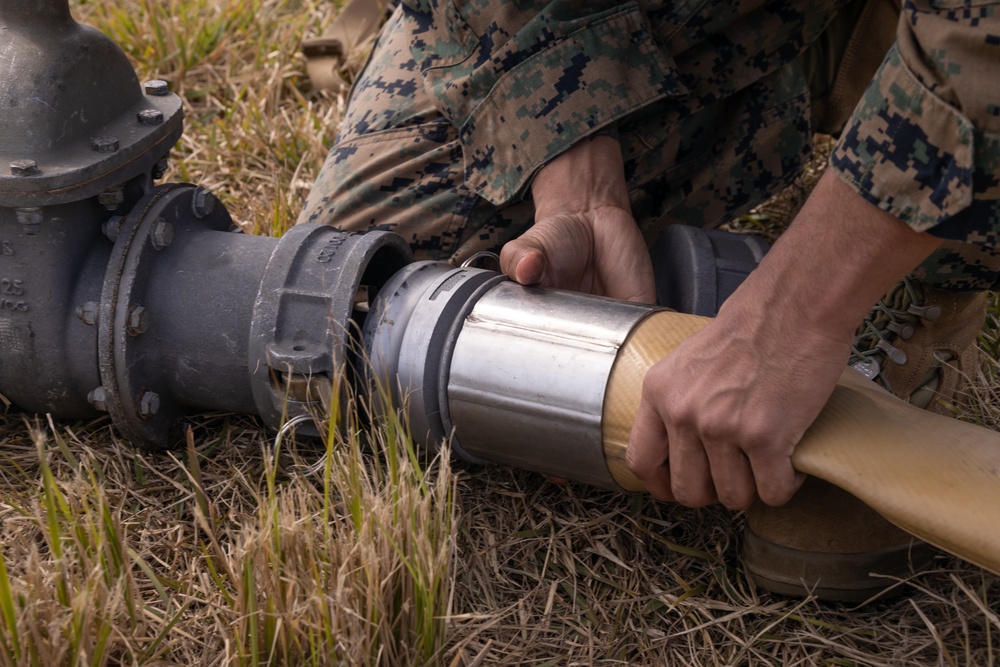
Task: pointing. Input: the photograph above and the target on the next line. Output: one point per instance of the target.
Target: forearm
(839, 256)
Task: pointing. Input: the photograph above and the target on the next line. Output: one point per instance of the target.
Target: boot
(919, 343)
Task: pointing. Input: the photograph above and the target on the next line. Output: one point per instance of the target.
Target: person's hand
(584, 237)
(720, 416)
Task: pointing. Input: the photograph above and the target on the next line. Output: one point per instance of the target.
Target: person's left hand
(584, 237)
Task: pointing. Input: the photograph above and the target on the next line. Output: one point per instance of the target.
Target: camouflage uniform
(462, 102)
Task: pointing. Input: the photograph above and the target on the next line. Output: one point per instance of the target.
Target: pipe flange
(305, 317)
(137, 394)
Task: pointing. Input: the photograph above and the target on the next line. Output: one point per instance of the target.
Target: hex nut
(163, 234)
(104, 144)
(88, 313)
(150, 117)
(149, 403)
(30, 216)
(157, 88)
(23, 167)
(160, 169)
(111, 199)
(99, 399)
(203, 203)
(138, 321)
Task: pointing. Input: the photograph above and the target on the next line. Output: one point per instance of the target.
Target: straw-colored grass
(357, 550)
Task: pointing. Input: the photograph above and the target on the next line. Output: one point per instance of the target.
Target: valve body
(121, 296)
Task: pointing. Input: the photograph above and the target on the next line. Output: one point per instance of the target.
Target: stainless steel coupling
(514, 375)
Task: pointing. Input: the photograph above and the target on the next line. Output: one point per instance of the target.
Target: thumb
(523, 260)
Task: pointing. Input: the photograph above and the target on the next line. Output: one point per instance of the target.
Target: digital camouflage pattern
(462, 102)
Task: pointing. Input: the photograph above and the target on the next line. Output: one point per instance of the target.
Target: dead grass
(356, 551)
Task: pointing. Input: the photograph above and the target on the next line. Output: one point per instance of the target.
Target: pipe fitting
(512, 374)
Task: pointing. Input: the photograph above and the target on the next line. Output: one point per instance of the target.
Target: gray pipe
(118, 295)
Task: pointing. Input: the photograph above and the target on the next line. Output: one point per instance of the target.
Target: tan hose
(935, 477)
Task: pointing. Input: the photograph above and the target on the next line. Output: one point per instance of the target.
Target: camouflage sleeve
(924, 142)
(523, 81)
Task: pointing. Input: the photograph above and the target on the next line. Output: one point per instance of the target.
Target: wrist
(587, 177)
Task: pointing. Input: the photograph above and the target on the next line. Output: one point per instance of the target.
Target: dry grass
(356, 551)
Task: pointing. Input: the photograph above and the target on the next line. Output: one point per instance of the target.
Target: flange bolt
(23, 167)
(104, 144)
(157, 88)
(99, 399)
(160, 168)
(30, 219)
(149, 403)
(88, 313)
(138, 321)
(150, 117)
(111, 199)
(163, 234)
(113, 227)
(203, 203)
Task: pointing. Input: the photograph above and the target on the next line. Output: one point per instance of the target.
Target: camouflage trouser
(398, 163)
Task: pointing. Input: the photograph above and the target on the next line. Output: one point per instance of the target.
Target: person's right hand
(584, 238)
(720, 416)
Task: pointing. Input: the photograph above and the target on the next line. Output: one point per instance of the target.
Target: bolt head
(160, 168)
(113, 227)
(104, 144)
(150, 117)
(163, 234)
(23, 167)
(149, 403)
(88, 313)
(203, 203)
(138, 321)
(157, 88)
(99, 399)
(111, 199)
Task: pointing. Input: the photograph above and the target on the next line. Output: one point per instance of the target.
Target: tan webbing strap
(330, 57)
(935, 477)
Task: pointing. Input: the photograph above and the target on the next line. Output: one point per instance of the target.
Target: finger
(647, 452)
(732, 477)
(690, 472)
(523, 260)
(776, 480)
